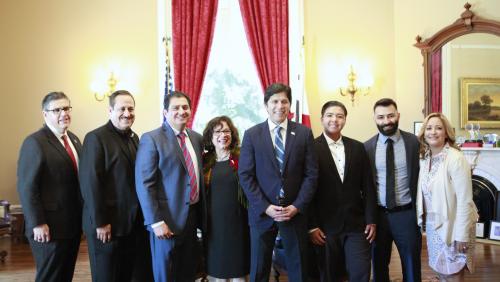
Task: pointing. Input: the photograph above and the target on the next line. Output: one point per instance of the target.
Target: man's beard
(388, 131)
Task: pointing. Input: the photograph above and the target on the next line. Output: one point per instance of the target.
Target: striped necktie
(279, 150)
(193, 194)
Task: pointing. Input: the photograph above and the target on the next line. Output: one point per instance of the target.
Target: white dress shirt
(272, 127)
(59, 137)
(337, 150)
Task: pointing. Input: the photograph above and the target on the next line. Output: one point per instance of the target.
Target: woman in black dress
(228, 244)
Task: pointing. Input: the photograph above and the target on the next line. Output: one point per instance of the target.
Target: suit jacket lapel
(196, 148)
(331, 162)
(172, 139)
(290, 140)
(76, 142)
(409, 154)
(52, 139)
(268, 144)
(348, 153)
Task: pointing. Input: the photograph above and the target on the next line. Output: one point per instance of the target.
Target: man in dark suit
(47, 183)
(112, 218)
(342, 217)
(170, 189)
(394, 160)
(278, 172)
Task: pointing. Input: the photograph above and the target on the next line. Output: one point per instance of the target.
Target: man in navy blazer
(170, 190)
(278, 172)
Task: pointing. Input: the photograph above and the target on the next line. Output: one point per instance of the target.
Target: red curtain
(266, 27)
(436, 82)
(193, 24)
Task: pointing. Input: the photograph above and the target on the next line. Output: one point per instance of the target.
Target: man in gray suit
(393, 154)
(170, 189)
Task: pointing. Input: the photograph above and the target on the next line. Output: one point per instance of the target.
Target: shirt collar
(330, 141)
(273, 125)
(57, 134)
(176, 132)
(395, 137)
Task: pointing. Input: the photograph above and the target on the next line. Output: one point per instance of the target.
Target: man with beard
(112, 218)
(393, 154)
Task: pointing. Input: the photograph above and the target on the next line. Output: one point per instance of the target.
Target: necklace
(223, 158)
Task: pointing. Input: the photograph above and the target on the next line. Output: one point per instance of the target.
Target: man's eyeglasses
(59, 110)
(220, 132)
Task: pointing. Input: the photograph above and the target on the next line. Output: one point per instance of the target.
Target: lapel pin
(293, 132)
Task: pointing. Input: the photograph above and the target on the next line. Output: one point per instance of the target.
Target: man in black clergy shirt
(112, 219)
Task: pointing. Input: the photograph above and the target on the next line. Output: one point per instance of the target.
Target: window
(231, 85)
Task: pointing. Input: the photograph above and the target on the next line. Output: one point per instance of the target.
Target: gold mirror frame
(466, 24)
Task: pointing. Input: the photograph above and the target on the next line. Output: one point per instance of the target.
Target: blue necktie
(280, 155)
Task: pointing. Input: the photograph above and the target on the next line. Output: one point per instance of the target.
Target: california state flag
(296, 62)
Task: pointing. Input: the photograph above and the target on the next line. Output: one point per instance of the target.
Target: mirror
(470, 77)
(461, 61)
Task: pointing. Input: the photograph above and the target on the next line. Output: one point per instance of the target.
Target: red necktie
(193, 194)
(70, 152)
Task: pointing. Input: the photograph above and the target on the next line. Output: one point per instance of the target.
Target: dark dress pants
(55, 261)
(345, 255)
(177, 259)
(124, 258)
(399, 227)
(294, 237)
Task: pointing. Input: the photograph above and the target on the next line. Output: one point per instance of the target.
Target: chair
(4, 224)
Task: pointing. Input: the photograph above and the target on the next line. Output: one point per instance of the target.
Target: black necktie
(390, 180)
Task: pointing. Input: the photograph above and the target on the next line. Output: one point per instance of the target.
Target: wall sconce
(352, 89)
(111, 88)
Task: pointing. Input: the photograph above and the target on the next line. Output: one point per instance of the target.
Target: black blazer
(107, 181)
(412, 160)
(47, 184)
(343, 206)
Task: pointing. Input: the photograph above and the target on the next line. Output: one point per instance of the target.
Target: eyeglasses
(222, 132)
(59, 110)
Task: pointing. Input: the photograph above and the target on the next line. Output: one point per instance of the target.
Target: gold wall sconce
(352, 89)
(111, 83)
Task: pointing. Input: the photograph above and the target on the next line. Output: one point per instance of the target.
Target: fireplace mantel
(485, 162)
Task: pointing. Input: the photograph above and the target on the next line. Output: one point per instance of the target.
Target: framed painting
(480, 102)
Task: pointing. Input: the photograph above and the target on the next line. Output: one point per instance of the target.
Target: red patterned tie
(193, 194)
(70, 152)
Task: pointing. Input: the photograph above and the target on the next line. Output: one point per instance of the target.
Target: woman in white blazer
(444, 200)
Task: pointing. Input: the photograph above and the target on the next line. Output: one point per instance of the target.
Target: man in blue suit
(168, 181)
(278, 172)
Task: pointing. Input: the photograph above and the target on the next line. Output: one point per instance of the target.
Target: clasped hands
(280, 214)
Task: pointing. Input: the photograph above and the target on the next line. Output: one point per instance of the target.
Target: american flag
(169, 83)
